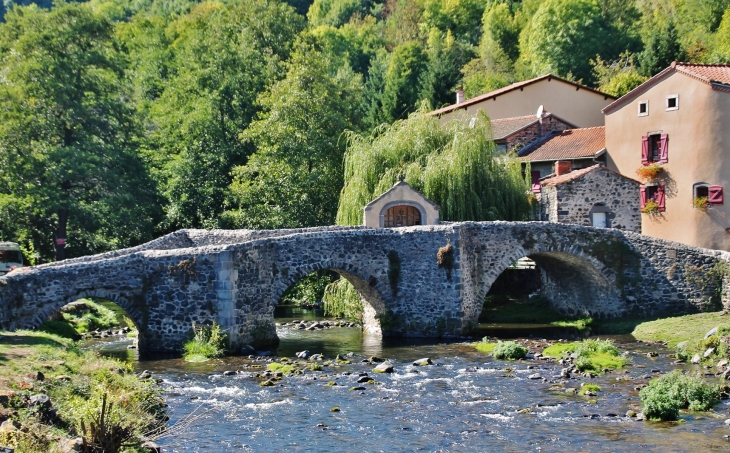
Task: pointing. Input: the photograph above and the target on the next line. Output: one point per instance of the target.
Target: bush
(207, 343)
(590, 355)
(509, 350)
(665, 396)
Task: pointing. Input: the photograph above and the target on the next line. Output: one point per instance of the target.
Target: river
(465, 402)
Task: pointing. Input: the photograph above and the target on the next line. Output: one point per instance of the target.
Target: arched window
(400, 216)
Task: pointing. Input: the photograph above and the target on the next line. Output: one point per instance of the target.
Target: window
(399, 216)
(713, 194)
(673, 102)
(643, 108)
(655, 194)
(655, 148)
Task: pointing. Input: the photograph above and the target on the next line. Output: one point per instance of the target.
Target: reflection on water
(547, 331)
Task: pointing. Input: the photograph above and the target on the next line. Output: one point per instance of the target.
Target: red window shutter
(645, 149)
(659, 197)
(535, 177)
(642, 196)
(664, 148)
(715, 195)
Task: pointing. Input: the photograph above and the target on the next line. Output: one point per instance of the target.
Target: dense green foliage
(665, 396)
(341, 300)
(509, 350)
(208, 342)
(121, 121)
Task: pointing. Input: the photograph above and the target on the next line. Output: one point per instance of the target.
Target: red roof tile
(570, 144)
(507, 89)
(719, 73)
(575, 174)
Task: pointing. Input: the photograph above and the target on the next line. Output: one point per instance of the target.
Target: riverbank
(54, 397)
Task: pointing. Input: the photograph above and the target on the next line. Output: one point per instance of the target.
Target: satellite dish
(539, 111)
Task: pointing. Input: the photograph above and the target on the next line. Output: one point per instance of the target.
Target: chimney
(459, 96)
(563, 166)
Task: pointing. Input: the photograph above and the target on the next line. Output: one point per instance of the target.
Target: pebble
(534, 376)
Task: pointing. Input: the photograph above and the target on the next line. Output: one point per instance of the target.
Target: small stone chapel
(400, 206)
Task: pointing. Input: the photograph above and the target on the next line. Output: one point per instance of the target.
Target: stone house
(675, 130)
(571, 101)
(574, 148)
(593, 196)
(514, 133)
(400, 206)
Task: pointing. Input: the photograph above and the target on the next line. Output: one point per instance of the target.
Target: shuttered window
(715, 195)
(655, 193)
(655, 148)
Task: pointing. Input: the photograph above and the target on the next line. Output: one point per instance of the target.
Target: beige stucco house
(400, 206)
(571, 101)
(678, 122)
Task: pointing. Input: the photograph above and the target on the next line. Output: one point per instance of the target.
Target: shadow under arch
(576, 284)
(137, 317)
(370, 295)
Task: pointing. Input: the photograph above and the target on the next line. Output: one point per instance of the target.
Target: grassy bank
(86, 315)
(682, 328)
(52, 392)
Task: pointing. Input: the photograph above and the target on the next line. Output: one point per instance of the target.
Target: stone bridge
(236, 278)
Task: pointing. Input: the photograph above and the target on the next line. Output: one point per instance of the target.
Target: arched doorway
(401, 215)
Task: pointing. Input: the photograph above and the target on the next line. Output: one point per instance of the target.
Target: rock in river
(385, 367)
(422, 362)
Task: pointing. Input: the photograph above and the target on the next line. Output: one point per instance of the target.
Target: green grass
(590, 388)
(77, 382)
(208, 343)
(681, 328)
(100, 314)
(485, 347)
(591, 355)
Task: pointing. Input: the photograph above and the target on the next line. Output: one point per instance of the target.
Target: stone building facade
(593, 196)
(400, 206)
(514, 133)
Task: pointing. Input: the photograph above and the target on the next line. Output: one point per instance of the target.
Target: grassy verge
(86, 315)
(535, 310)
(52, 392)
(681, 328)
(589, 355)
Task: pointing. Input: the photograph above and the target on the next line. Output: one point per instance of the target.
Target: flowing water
(465, 402)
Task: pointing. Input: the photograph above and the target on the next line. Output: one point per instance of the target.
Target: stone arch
(370, 295)
(576, 283)
(123, 300)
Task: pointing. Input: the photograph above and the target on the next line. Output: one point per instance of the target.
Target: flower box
(649, 172)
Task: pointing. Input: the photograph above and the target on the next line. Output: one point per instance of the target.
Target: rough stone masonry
(235, 278)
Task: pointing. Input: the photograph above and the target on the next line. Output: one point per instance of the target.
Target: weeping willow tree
(456, 165)
(342, 301)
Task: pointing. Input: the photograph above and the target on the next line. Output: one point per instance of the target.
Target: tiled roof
(504, 127)
(716, 76)
(570, 144)
(575, 174)
(719, 73)
(395, 186)
(507, 89)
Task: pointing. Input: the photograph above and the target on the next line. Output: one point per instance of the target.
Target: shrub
(665, 396)
(509, 350)
(590, 355)
(208, 343)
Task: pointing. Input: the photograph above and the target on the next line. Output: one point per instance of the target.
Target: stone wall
(235, 278)
(574, 201)
(534, 132)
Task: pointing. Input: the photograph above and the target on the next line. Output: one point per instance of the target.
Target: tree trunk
(61, 235)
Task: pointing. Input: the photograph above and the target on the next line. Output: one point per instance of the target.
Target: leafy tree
(372, 100)
(336, 12)
(295, 175)
(562, 38)
(401, 87)
(721, 51)
(442, 74)
(619, 77)
(402, 21)
(455, 165)
(661, 48)
(461, 17)
(68, 135)
(221, 58)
